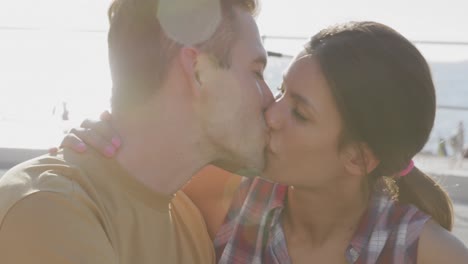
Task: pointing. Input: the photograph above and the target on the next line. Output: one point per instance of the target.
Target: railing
(425, 42)
(449, 107)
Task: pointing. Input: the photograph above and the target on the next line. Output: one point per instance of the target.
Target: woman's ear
(359, 159)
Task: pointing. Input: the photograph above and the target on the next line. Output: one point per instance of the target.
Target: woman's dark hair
(386, 97)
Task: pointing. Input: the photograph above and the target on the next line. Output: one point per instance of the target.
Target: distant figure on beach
(442, 148)
(65, 113)
(65, 116)
(457, 142)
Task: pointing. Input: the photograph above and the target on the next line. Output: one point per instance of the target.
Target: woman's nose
(273, 115)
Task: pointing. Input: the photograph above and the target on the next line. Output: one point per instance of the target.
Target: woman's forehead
(302, 68)
(305, 77)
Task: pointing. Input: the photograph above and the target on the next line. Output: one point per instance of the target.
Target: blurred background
(54, 70)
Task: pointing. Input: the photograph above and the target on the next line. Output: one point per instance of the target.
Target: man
(181, 100)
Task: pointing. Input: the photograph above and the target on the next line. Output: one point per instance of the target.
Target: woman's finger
(104, 129)
(89, 123)
(53, 151)
(79, 137)
(105, 116)
(73, 142)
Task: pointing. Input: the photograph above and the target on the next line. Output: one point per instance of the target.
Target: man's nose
(267, 97)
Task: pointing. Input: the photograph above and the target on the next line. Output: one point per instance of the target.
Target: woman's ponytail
(422, 191)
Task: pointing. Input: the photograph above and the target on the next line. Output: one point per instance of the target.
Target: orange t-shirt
(83, 208)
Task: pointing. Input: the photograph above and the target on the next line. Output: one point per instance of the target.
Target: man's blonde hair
(140, 51)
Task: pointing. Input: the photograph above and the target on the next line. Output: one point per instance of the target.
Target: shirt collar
(373, 226)
(373, 220)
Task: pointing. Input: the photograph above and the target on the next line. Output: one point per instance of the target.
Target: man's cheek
(259, 89)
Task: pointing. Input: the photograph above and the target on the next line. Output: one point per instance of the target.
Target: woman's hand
(99, 135)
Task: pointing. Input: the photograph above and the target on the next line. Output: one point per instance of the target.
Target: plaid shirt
(387, 233)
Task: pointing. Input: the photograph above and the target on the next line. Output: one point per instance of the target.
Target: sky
(435, 20)
(416, 19)
(53, 51)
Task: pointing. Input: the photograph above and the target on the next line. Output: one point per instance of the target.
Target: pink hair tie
(407, 170)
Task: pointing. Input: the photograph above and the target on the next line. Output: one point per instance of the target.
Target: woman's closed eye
(298, 115)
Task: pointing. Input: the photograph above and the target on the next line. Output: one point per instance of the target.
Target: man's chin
(236, 168)
(249, 173)
(246, 165)
(254, 168)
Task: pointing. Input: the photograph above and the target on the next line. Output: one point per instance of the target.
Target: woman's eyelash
(280, 88)
(299, 116)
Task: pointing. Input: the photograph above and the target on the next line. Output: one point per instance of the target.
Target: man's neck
(162, 157)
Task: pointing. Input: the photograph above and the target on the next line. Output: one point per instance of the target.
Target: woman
(356, 106)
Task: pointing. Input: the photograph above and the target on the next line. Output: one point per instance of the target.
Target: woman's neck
(319, 215)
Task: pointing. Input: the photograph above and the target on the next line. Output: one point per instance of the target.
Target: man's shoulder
(42, 174)
(53, 227)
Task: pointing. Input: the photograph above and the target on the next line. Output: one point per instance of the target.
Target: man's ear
(189, 57)
(359, 159)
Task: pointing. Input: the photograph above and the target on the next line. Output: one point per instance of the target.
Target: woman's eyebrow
(301, 99)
